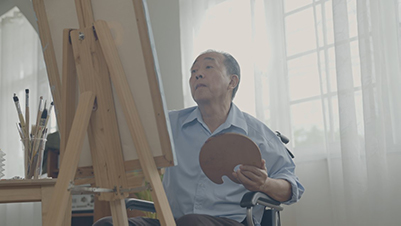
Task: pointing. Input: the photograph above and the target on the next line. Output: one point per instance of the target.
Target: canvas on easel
(126, 120)
(142, 72)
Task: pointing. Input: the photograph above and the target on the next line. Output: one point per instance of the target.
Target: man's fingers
(251, 175)
(263, 166)
(247, 182)
(242, 177)
(253, 170)
(248, 178)
(248, 168)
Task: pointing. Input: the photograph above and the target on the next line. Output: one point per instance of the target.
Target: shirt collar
(235, 118)
(195, 114)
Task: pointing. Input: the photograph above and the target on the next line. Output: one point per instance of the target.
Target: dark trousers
(190, 219)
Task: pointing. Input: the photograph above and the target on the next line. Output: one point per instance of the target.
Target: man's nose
(198, 77)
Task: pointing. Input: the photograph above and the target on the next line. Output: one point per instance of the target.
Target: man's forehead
(212, 56)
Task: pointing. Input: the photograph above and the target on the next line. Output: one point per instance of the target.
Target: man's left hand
(256, 179)
(253, 178)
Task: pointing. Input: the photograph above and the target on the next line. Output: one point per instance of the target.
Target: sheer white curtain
(21, 67)
(327, 73)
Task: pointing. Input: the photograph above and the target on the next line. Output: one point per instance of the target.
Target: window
(287, 51)
(312, 73)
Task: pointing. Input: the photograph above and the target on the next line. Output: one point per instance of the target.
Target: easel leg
(131, 114)
(102, 209)
(61, 195)
(119, 212)
(48, 53)
(68, 92)
(68, 212)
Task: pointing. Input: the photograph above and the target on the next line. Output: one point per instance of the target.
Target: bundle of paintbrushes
(33, 139)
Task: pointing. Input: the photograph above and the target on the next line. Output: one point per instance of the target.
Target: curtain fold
(327, 74)
(375, 147)
(354, 172)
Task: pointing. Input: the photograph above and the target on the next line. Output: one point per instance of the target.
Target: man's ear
(234, 81)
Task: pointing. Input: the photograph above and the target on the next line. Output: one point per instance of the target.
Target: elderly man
(193, 198)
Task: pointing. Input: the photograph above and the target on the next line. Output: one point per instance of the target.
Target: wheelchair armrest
(138, 204)
(251, 199)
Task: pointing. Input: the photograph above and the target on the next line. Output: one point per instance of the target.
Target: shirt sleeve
(279, 165)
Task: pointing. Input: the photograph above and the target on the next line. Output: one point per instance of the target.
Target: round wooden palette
(222, 153)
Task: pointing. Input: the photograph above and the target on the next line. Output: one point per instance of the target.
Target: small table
(35, 190)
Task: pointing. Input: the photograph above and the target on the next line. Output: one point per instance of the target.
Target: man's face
(209, 80)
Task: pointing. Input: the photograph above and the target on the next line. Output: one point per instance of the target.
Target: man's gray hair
(231, 65)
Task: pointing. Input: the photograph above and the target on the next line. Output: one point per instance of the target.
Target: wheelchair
(271, 214)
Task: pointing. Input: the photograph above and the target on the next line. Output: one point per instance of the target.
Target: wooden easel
(91, 52)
